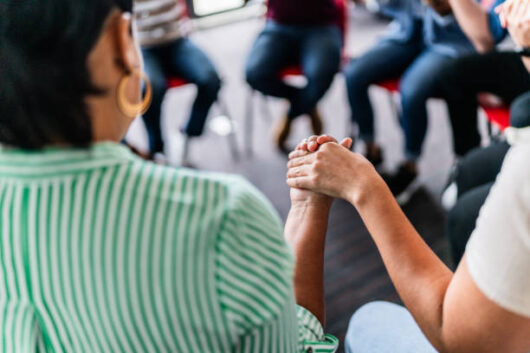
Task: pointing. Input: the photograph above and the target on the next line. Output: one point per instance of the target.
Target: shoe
(316, 122)
(283, 130)
(374, 155)
(401, 180)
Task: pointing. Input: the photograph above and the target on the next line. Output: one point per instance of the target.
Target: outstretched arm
(305, 231)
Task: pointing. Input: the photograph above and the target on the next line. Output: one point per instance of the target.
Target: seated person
(474, 176)
(303, 32)
(162, 33)
(447, 312)
(417, 52)
(101, 251)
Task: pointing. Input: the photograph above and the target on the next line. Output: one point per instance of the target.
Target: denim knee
(210, 83)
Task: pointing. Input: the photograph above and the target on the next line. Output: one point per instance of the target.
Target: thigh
(422, 77)
(500, 73)
(189, 62)
(387, 60)
(320, 51)
(385, 327)
(274, 49)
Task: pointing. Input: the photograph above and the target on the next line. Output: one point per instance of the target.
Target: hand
(515, 15)
(307, 197)
(333, 170)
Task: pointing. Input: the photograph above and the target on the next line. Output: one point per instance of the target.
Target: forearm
(419, 276)
(474, 21)
(306, 230)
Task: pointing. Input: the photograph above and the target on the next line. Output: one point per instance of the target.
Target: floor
(354, 272)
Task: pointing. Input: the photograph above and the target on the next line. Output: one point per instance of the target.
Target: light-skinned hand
(332, 170)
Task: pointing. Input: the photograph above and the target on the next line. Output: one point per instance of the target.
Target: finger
(300, 171)
(300, 183)
(325, 139)
(296, 162)
(298, 153)
(312, 146)
(300, 145)
(347, 142)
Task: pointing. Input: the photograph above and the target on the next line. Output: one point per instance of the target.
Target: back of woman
(101, 251)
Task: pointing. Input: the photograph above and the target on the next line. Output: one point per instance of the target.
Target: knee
(210, 83)
(356, 78)
(413, 94)
(254, 75)
(366, 317)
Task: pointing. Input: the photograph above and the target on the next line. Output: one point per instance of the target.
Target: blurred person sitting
(163, 26)
(101, 251)
(423, 40)
(304, 32)
(476, 173)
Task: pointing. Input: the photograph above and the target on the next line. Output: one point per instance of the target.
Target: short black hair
(44, 79)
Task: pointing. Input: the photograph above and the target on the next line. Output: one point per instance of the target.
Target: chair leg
(232, 136)
(249, 123)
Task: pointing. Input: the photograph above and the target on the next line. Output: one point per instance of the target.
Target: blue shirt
(416, 21)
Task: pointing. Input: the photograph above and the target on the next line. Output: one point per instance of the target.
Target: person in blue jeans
(424, 43)
(168, 53)
(297, 32)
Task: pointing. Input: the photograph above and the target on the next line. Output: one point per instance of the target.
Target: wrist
(370, 186)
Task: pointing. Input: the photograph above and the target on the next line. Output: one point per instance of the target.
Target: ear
(127, 49)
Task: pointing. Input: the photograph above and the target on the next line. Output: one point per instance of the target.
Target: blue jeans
(180, 58)
(316, 48)
(381, 327)
(419, 69)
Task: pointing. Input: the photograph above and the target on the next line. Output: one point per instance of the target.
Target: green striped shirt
(103, 252)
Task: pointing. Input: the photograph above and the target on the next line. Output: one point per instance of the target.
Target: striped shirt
(160, 21)
(103, 252)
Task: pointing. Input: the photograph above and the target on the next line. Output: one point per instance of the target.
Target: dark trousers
(502, 74)
(182, 59)
(419, 68)
(316, 48)
(475, 175)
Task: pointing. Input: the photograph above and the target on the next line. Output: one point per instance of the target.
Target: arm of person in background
(515, 15)
(305, 231)
(449, 308)
(475, 22)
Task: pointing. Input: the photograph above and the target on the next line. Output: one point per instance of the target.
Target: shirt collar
(56, 161)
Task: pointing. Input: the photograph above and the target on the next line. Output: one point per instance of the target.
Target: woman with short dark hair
(103, 252)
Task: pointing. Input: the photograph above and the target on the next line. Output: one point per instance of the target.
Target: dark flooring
(354, 271)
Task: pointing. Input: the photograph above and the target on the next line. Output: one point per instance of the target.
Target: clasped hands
(321, 169)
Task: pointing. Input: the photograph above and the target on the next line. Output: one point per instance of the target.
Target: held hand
(307, 197)
(332, 170)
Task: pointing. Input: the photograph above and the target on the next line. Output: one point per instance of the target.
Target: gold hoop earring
(130, 109)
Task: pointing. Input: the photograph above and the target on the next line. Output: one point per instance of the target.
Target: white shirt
(498, 253)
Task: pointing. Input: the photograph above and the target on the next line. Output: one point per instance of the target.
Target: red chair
(290, 71)
(222, 124)
(497, 115)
